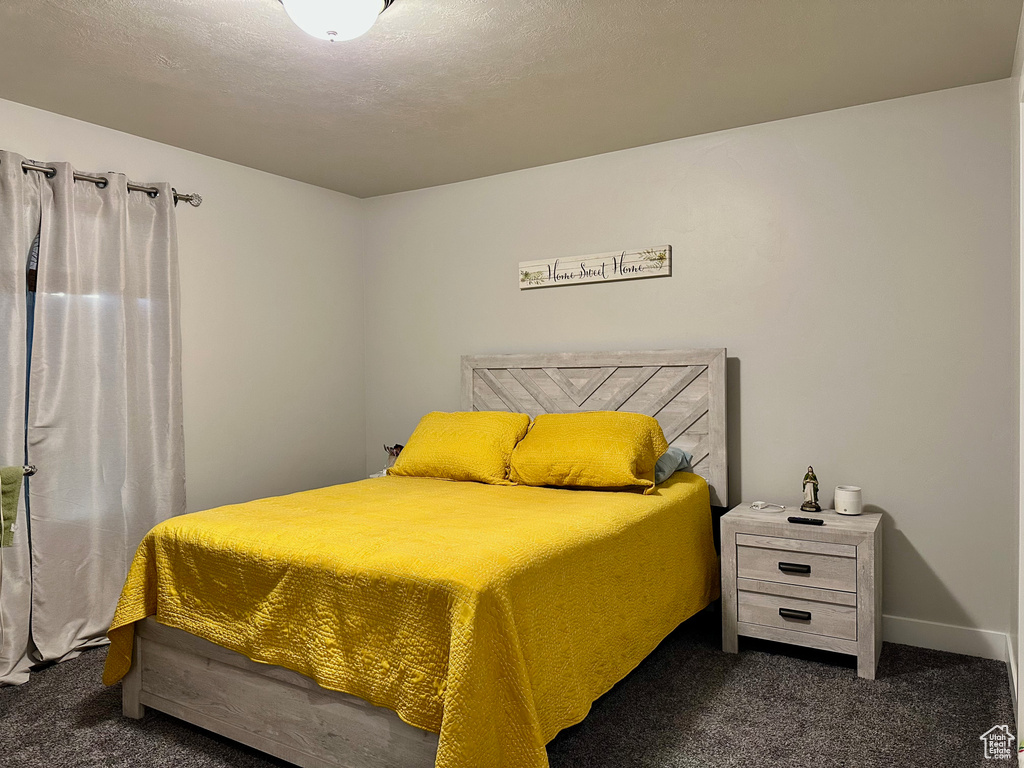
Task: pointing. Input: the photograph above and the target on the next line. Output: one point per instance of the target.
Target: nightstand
(816, 586)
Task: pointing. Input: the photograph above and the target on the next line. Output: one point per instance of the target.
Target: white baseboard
(1011, 670)
(947, 637)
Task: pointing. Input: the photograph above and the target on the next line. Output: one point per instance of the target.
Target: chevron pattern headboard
(683, 389)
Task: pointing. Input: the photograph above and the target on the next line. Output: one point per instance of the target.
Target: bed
(533, 602)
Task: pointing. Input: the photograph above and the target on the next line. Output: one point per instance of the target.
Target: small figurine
(392, 452)
(810, 492)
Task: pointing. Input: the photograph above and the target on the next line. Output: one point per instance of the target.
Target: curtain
(19, 224)
(104, 422)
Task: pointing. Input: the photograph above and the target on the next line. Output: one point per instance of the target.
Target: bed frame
(286, 714)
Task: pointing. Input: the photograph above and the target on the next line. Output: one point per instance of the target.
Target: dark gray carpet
(687, 705)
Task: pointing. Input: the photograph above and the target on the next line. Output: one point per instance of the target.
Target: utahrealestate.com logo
(999, 743)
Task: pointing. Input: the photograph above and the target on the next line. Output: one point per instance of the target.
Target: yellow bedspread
(492, 615)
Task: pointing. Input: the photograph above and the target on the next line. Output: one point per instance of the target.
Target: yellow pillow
(596, 449)
(476, 445)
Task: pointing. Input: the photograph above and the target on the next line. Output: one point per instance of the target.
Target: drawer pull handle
(789, 613)
(794, 568)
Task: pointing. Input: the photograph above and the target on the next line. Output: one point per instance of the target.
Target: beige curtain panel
(19, 223)
(104, 413)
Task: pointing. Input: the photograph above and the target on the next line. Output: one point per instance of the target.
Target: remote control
(806, 520)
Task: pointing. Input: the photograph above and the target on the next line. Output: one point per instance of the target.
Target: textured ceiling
(456, 89)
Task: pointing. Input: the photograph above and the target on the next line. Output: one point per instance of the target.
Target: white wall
(857, 264)
(272, 311)
(1017, 530)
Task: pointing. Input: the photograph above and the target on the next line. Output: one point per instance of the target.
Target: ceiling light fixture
(335, 20)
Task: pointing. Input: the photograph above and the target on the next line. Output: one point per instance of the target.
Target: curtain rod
(101, 181)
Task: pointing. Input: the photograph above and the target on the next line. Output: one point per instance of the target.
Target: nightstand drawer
(830, 619)
(793, 562)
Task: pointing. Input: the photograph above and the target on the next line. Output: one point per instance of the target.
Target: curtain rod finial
(193, 199)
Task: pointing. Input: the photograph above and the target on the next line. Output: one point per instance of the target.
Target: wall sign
(597, 268)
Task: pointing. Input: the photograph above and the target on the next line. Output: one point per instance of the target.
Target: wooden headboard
(683, 389)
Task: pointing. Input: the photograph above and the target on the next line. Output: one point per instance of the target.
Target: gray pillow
(673, 460)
